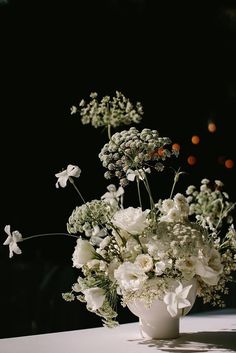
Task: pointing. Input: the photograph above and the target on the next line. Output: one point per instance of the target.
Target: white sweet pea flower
(83, 253)
(139, 174)
(96, 235)
(160, 266)
(130, 276)
(94, 297)
(12, 240)
(63, 177)
(133, 220)
(113, 196)
(177, 299)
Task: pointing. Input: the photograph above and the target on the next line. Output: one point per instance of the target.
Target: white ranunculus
(144, 261)
(133, 220)
(130, 276)
(94, 297)
(83, 253)
(209, 268)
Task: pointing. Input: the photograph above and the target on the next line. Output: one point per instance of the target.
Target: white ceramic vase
(155, 321)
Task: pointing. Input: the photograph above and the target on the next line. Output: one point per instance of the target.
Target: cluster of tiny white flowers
(114, 112)
(209, 205)
(134, 150)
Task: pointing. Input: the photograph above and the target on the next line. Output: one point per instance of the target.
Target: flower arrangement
(124, 253)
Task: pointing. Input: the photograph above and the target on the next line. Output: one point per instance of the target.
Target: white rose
(83, 253)
(94, 297)
(133, 220)
(130, 276)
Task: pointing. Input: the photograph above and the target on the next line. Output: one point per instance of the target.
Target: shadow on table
(196, 342)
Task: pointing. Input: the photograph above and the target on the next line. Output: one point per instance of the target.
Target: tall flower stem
(176, 178)
(47, 234)
(146, 184)
(139, 195)
(77, 190)
(109, 131)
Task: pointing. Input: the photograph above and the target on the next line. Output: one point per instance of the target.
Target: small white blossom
(83, 253)
(137, 174)
(12, 240)
(94, 297)
(177, 299)
(63, 177)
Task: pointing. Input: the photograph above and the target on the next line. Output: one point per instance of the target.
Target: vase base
(165, 330)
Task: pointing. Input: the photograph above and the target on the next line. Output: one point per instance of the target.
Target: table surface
(203, 332)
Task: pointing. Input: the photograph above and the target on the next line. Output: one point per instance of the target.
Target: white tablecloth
(205, 332)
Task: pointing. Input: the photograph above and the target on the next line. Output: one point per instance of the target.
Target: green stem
(47, 234)
(146, 184)
(77, 190)
(139, 195)
(176, 178)
(109, 131)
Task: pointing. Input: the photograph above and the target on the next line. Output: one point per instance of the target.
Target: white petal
(179, 289)
(169, 298)
(8, 240)
(172, 309)
(183, 303)
(7, 229)
(73, 170)
(185, 291)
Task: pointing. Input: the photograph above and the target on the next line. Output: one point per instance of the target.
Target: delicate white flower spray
(123, 253)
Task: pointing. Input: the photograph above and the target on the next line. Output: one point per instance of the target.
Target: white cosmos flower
(131, 219)
(177, 299)
(12, 240)
(94, 297)
(83, 253)
(70, 171)
(130, 276)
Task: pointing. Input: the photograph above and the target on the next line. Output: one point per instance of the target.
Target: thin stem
(77, 190)
(145, 181)
(109, 131)
(139, 195)
(176, 178)
(47, 234)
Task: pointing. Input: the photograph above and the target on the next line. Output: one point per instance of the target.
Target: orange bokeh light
(195, 139)
(229, 163)
(192, 160)
(176, 147)
(212, 127)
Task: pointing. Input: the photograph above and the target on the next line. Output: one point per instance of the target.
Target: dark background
(176, 58)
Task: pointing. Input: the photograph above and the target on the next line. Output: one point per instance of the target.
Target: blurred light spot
(211, 127)
(195, 139)
(192, 160)
(176, 147)
(229, 163)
